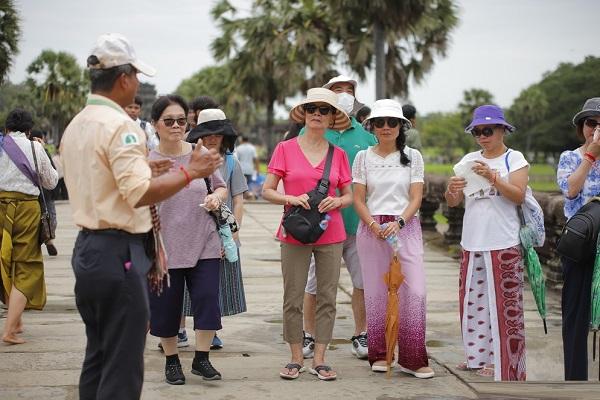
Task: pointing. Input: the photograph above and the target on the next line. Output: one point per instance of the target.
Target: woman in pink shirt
(299, 163)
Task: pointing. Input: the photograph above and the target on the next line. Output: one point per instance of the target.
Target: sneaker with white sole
(308, 345)
(359, 346)
(428, 373)
(381, 366)
(182, 339)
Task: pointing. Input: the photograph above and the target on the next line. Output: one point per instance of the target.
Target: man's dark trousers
(576, 296)
(113, 303)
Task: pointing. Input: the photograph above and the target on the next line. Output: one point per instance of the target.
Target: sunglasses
(323, 110)
(380, 122)
(591, 123)
(487, 132)
(170, 121)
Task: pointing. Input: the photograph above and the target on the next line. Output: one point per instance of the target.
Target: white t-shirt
(246, 154)
(491, 221)
(387, 180)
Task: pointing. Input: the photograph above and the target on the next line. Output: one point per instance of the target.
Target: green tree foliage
(529, 109)
(472, 99)
(59, 85)
(413, 31)
(562, 93)
(273, 50)
(444, 138)
(18, 96)
(219, 83)
(10, 31)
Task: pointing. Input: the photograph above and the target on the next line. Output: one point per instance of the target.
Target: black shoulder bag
(46, 233)
(303, 224)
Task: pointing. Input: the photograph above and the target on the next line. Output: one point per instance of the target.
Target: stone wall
(551, 203)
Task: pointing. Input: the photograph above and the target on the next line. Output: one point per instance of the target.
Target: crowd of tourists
(350, 181)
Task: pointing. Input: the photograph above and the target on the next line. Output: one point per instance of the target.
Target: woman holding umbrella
(491, 274)
(578, 177)
(388, 189)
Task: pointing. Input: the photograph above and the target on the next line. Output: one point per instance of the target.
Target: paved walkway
(48, 365)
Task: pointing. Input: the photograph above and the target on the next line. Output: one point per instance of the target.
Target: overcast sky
(500, 45)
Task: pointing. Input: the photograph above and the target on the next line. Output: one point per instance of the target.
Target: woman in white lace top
(388, 189)
(22, 271)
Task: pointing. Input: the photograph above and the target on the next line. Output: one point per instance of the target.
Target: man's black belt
(115, 232)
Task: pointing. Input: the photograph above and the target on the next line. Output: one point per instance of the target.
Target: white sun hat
(113, 49)
(387, 108)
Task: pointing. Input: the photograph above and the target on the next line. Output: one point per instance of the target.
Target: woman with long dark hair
(388, 189)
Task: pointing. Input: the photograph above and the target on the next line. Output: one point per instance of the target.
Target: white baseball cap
(113, 49)
(338, 79)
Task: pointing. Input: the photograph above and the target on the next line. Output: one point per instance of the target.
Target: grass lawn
(542, 177)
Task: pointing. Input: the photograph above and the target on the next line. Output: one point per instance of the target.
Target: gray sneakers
(308, 345)
(359, 346)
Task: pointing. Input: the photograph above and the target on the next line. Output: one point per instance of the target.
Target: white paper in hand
(475, 182)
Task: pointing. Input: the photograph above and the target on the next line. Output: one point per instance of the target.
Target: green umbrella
(595, 306)
(534, 268)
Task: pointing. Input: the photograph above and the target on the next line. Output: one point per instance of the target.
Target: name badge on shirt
(129, 139)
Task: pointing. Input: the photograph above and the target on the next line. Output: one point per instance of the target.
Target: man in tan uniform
(111, 184)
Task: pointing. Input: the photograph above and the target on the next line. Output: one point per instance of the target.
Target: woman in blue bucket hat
(491, 273)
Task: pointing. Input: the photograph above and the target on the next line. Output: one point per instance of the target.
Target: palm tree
(527, 110)
(413, 31)
(272, 51)
(472, 99)
(10, 31)
(59, 82)
(220, 83)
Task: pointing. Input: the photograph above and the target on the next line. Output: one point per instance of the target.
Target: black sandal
(291, 366)
(316, 371)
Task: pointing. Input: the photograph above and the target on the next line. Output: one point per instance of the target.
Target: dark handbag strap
(208, 185)
(39, 181)
(323, 184)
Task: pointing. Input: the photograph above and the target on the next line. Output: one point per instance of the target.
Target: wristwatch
(401, 222)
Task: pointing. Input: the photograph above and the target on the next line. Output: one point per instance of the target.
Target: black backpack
(578, 239)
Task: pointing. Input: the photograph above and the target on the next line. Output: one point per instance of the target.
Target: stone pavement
(48, 365)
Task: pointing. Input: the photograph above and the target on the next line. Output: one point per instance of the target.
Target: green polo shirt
(352, 140)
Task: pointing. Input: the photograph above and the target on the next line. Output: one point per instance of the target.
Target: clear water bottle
(325, 222)
(392, 239)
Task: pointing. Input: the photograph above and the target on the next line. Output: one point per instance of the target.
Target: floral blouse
(569, 161)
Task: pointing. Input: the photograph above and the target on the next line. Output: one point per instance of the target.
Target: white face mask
(346, 102)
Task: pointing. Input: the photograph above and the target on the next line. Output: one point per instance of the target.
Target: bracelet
(494, 180)
(590, 155)
(371, 224)
(186, 174)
